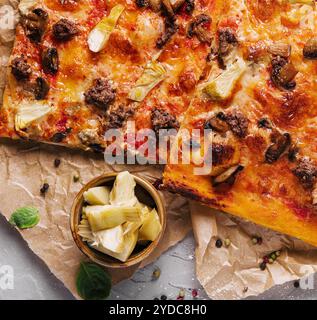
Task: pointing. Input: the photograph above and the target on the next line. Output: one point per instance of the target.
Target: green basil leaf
(26, 217)
(93, 282)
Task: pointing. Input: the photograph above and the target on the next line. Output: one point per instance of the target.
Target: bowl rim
(90, 253)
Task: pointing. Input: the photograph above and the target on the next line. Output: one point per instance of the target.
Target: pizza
(260, 102)
(81, 67)
(244, 72)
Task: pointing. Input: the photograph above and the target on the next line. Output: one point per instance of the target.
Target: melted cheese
(268, 194)
(265, 193)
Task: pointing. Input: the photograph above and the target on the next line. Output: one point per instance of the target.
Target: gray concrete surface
(33, 280)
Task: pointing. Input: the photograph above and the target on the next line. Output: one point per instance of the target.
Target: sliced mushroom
(50, 61)
(310, 49)
(203, 35)
(217, 123)
(170, 28)
(286, 75)
(280, 49)
(167, 8)
(280, 143)
(228, 177)
(41, 88)
(196, 27)
(34, 24)
(283, 73)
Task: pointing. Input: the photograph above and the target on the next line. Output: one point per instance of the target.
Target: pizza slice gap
(261, 110)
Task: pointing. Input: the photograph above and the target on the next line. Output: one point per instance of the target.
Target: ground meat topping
(163, 120)
(64, 30)
(238, 124)
(101, 94)
(170, 29)
(227, 41)
(20, 68)
(197, 28)
(118, 116)
(306, 172)
(35, 24)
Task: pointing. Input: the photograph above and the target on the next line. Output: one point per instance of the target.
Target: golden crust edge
(297, 228)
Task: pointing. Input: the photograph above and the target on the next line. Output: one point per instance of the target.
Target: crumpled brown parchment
(226, 273)
(23, 170)
(233, 272)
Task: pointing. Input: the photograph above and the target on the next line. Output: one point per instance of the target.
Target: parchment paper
(226, 273)
(233, 272)
(23, 171)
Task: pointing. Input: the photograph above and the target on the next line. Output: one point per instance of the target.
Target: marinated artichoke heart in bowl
(115, 222)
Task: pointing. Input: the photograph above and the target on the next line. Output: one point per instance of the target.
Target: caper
(310, 49)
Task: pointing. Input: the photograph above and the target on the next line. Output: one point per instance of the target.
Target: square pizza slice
(81, 67)
(259, 109)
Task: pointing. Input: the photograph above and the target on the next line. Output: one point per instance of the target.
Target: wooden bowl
(146, 193)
